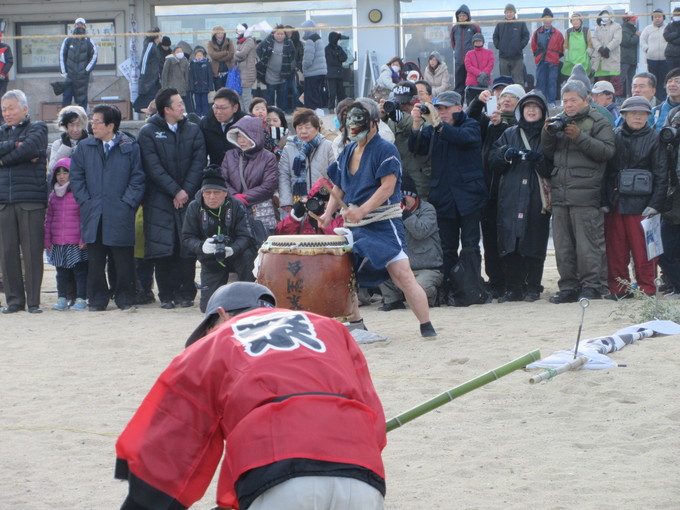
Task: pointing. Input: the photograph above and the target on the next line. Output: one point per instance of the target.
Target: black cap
(547, 13)
(166, 41)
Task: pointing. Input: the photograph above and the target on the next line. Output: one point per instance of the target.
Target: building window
(41, 54)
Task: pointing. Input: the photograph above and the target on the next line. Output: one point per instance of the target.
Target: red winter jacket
(555, 46)
(267, 385)
(293, 226)
(479, 60)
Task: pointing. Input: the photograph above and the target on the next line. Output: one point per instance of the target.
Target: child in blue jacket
(200, 80)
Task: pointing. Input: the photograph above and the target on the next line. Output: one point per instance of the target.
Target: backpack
(467, 285)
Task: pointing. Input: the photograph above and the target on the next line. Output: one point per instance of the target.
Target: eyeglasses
(674, 80)
(97, 122)
(222, 107)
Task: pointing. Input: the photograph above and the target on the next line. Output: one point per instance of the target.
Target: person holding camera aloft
(217, 230)
(636, 184)
(579, 141)
(458, 191)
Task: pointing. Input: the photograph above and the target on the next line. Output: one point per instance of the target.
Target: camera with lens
(557, 124)
(424, 109)
(669, 134)
(221, 241)
(390, 106)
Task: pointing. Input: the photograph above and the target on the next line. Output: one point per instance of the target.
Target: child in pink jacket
(62, 238)
(478, 63)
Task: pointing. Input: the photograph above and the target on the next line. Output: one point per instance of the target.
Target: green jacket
(579, 164)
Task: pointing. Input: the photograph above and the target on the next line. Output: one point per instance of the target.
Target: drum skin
(314, 279)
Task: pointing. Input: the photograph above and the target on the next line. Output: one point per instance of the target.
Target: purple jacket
(62, 220)
(260, 168)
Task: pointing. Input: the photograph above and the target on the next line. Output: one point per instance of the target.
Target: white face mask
(179, 56)
(605, 19)
(396, 69)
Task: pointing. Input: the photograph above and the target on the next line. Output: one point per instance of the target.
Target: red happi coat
(222, 389)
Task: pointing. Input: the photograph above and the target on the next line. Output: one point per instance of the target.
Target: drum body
(309, 272)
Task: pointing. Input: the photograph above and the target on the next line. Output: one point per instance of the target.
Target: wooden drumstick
(335, 195)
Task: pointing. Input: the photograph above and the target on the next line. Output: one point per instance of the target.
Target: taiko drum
(309, 272)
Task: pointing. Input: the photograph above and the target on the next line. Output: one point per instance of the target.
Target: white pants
(320, 493)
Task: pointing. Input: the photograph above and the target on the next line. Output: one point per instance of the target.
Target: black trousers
(459, 79)
(175, 277)
(523, 274)
(314, 92)
(492, 260)
(659, 68)
(66, 276)
(123, 258)
(213, 275)
(336, 91)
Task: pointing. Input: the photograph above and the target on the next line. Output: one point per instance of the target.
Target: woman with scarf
(304, 160)
(250, 170)
(523, 206)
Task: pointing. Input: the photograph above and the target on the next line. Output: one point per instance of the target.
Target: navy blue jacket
(200, 76)
(107, 189)
(457, 186)
(21, 179)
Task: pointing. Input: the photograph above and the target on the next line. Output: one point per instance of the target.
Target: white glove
(209, 247)
(346, 233)
(228, 252)
(649, 211)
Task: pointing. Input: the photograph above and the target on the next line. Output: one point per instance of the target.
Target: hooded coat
(438, 77)
(522, 226)
(77, 58)
(641, 150)
(630, 42)
(608, 35)
(62, 219)
(314, 58)
(461, 36)
(252, 173)
(176, 74)
(172, 162)
(108, 189)
(221, 55)
(653, 42)
(335, 56)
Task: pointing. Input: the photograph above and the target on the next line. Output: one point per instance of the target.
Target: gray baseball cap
(448, 98)
(233, 297)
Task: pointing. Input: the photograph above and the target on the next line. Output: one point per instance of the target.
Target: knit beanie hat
(408, 186)
(510, 7)
(547, 13)
(514, 89)
(212, 179)
(579, 74)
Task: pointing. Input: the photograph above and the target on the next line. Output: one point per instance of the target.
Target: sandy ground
(585, 440)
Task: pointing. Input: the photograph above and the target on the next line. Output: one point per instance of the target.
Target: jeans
(281, 92)
(546, 80)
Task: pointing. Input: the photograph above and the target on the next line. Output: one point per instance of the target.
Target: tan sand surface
(606, 439)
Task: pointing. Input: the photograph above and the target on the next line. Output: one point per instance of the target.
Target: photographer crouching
(579, 141)
(217, 230)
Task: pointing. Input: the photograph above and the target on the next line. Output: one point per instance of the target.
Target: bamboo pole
(549, 373)
(453, 393)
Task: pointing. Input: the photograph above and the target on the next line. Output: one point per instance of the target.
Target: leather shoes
(532, 296)
(510, 296)
(167, 305)
(95, 308)
(12, 309)
(396, 305)
(564, 296)
(34, 309)
(187, 303)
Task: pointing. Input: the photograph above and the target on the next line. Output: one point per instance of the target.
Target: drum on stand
(309, 272)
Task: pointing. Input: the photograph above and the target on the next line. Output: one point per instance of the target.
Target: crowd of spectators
(486, 162)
